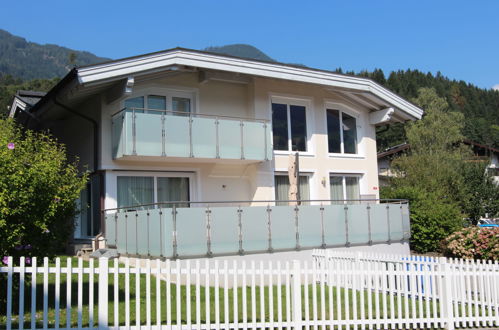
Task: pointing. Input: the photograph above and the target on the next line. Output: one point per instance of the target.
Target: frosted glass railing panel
(204, 137)
(117, 133)
(254, 140)
(131, 233)
(255, 228)
(176, 136)
(156, 234)
(166, 218)
(110, 223)
(406, 224)
(379, 225)
(191, 231)
(283, 227)
(395, 216)
(148, 134)
(141, 228)
(224, 230)
(358, 226)
(309, 225)
(334, 224)
(230, 139)
(121, 237)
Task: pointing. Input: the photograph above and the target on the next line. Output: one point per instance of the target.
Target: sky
(458, 38)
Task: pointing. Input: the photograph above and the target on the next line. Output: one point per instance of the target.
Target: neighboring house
(481, 153)
(192, 126)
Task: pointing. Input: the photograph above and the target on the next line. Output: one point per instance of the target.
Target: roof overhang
(361, 90)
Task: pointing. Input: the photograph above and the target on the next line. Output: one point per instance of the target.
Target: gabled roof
(24, 100)
(363, 90)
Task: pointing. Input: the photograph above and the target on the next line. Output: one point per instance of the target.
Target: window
(140, 190)
(344, 187)
(282, 188)
(342, 132)
(289, 127)
(175, 101)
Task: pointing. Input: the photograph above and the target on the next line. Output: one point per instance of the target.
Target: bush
(432, 218)
(473, 243)
(38, 189)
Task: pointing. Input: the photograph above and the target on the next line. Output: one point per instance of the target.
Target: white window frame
(343, 182)
(342, 108)
(311, 174)
(169, 93)
(299, 101)
(156, 175)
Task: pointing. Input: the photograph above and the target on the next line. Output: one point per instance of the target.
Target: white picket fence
(335, 291)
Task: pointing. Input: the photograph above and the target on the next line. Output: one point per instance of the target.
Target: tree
(430, 174)
(482, 194)
(38, 189)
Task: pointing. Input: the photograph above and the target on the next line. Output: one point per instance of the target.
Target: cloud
(495, 87)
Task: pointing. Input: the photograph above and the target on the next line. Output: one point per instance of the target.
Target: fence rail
(336, 290)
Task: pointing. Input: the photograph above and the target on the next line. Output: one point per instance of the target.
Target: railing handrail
(194, 114)
(268, 202)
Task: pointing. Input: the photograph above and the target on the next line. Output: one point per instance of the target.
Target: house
(216, 132)
(481, 153)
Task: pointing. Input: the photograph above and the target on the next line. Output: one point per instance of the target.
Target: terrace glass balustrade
(145, 132)
(217, 229)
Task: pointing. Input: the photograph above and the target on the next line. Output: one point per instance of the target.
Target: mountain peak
(241, 50)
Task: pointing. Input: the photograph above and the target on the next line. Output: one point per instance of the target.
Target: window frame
(155, 175)
(343, 175)
(298, 101)
(169, 93)
(342, 108)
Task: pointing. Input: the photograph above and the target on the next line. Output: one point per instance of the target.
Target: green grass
(183, 294)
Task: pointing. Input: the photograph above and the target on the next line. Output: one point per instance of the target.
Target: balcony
(218, 229)
(160, 133)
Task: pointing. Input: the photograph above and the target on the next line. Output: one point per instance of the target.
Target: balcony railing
(147, 132)
(231, 228)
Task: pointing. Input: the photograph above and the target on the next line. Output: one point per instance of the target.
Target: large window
(344, 187)
(140, 190)
(289, 124)
(178, 102)
(342, 132)
(282, 188)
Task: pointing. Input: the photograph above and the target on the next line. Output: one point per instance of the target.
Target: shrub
(38, 189)
(474, 243)
(432, 218)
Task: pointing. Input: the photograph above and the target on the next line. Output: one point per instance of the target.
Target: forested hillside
(28, 60)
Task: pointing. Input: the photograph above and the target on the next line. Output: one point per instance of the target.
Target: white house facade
(214, 134)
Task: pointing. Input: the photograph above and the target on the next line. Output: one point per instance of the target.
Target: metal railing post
(191, 151)
(347, 239)
(217, 134)
(297, 229)
(388, 223)
(134, 133)
(148, 237)
(240, 227)
(269, 228)
(116, 228)
(163, 135)
(126, 233)
(174, 238)
(323, 234)
(136, 233)
(209, 253)
(370, 242)
(161, 233)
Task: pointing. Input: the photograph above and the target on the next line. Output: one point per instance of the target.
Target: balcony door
(140, 192)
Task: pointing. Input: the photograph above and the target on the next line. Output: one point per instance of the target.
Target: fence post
(296, 294)
(446, 298)
(103, 293)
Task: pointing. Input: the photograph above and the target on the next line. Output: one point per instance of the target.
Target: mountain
(29, 60)
(241, 50)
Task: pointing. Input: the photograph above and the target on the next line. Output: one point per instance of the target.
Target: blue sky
(458, 38)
